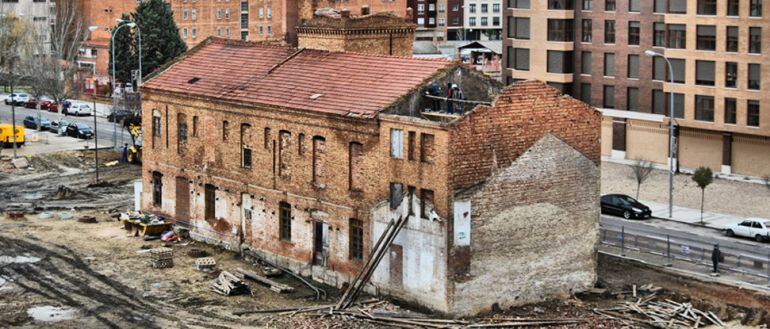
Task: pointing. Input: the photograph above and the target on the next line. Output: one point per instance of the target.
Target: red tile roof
(347, 83)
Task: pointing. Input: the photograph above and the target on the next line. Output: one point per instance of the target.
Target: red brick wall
(520, 116)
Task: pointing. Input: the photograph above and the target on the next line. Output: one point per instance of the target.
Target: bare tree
(640, 171)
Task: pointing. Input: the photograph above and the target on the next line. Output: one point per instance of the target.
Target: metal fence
(681, 249)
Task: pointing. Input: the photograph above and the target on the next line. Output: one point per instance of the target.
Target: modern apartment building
(482, 19)
(40, 13)
(595, 51)
(430, 16)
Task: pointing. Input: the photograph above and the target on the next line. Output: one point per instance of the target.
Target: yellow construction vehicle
(6, 136)
(135, 150)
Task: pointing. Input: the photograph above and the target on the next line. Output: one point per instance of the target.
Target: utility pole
(96, 137)
(13, 108)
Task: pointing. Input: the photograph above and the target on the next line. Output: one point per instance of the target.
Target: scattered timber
(228, 284)
(274, 286)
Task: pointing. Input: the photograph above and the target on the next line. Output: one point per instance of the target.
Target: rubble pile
(229, 285)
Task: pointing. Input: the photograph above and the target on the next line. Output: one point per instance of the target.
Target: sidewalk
(692, 216)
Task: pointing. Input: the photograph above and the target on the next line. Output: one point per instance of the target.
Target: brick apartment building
(594, 50)
(304, 156)
(262, 20)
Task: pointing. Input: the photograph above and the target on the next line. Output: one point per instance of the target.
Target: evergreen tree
(125, 59)
(160, 35)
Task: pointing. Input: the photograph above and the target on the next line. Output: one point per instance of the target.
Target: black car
(79, 130)
(624, 205)
(31, 122)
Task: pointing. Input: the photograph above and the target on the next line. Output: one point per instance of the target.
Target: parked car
(79, 109)
(624, 205)
(31, 122)
(44, 105)
(60, 127)
(755, 228)
(119, 116)
(17, 99)
(79, 130)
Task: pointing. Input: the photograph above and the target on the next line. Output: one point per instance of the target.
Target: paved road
(695, 236)
(104, 128)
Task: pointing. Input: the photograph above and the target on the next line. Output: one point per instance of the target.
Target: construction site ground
(61, 273)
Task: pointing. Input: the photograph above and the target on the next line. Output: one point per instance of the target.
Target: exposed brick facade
(274, 177)
(382, 34)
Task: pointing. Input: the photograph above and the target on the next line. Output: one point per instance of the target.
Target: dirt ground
(61, 273)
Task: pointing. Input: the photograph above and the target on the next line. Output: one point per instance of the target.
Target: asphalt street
(684, 233)
(105, 128)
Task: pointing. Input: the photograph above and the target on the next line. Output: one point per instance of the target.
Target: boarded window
(426, 148)
(157, 189)
(426, 201)
(397, 143)
(411, 191)
(396, 195)
(181, 130)
(284, 143)
(245, 145)
(225, 130)
(209, 201)
(267, 138)
(301, 144)
(356, 239)
(284, 216)
(355, 162)
(318, 160)
(411, 145)
(195, 126)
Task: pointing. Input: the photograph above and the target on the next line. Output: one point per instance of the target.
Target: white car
(755, 228)
(79, 109)
(17, 99)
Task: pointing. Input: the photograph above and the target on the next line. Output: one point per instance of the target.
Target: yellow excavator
(135, 150)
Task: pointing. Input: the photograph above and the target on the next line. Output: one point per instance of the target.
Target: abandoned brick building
(304, 156)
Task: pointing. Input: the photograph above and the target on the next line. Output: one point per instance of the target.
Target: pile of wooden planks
(661, 314)
(274, 286)
(228, 284)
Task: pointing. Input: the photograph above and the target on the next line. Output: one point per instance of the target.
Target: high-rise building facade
(482, 19)
(595, 51)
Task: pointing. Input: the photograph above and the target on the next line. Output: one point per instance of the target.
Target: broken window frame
(319, 150)
(356, 238)
(157, 189)
(209, 201)
(284, 221)
(396, 195)
(225, 130)
(426, 197)
(427, 147)
(396, 143)
(246, 155)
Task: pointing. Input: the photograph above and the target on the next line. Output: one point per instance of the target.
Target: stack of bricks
(162, 257)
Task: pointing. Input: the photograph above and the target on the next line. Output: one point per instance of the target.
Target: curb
(688, 223)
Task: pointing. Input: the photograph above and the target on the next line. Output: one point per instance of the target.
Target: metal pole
(13, 110)
(112, 53)
(670, 145)
(622, 240)
(139, 79)
(96, 138)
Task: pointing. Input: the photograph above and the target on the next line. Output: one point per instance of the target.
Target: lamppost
(114, 80)
(671, 114)
(93, 28)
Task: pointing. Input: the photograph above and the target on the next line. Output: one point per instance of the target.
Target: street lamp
(652, 53)
(130, 24)
(93, 28)
(114, 80)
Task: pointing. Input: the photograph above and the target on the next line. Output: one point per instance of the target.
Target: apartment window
(731, 43)
(244, 6)
(658, 102)
(284, 216)
(426, 198)
(245, 147)
(704, 73)
(471, 8)
(484, 8)
(678, 65)
(427, 148)
(519, 4)
(731, 110)
(659, 69)
(633, 33)
(185, 14)
(752, 113)
(521, 28)
(704, 108)
(633, 66)
(634, 6)
(659, 6)
(610, 5)
(356, 239)
(706, 37)
(609, 64)
(707, 7)
(157, 189)
(560, 30)
(471, 21)
(632, 96)
(677, 6)
(755, 8)
(521, 59)
(661, 103)
(609, 97)
(564, 88)
(184, 33)
(227, 13)
(484, 21)
(754, 74)
(731, 74)
(397, 143)
(219, 31)
(609, 31)
(585, 93)
(585, 62)
(495, 21)
(587, 5)
(677, 36)
(560, 4)
(587, 31)
(442, 7)
(755, 40)
(659, 34)
(219, 13)
(733, 7)
(194, 33)
(559, 61)
(194, 14)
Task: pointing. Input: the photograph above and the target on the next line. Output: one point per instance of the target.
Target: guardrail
(686, 250)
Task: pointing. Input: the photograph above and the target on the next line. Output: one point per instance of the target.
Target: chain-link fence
(682, 249)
